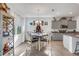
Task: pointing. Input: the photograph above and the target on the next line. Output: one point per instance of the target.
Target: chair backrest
(48, 35)
(45, 36)
(29, 36)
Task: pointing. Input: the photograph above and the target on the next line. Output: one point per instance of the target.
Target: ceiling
(45, 9)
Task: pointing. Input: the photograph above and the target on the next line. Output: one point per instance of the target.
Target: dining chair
(31, 43)
(44, 40)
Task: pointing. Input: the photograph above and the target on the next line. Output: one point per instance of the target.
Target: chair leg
(75, 49)
(36, 45)
(47, 42)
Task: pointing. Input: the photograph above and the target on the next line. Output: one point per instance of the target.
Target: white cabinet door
(57, 36)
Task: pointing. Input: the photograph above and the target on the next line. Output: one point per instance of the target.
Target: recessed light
(53, 10)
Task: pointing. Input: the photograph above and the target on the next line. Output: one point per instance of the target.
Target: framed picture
(46, 23)
(19, 30)
(42, 23)
(33, 22)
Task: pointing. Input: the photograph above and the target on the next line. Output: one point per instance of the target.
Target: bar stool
(77, 49)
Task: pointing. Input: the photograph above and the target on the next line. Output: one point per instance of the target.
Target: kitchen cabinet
(57, 36)
(69, 42)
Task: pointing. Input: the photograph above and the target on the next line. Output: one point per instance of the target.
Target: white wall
(19, 38)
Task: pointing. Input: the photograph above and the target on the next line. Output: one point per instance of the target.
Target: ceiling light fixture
(38, 19)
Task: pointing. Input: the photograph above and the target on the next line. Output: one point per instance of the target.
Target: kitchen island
(69, 41)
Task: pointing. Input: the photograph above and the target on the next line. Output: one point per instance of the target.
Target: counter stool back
(77, 49)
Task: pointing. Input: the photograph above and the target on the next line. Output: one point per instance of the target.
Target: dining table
(39, 35)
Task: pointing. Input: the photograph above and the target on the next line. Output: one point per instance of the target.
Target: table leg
(39, 44)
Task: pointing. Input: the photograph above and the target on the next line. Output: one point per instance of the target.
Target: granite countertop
(73, 34)
(63, 32)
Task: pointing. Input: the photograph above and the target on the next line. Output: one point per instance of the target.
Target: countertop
(72, 34)
(64, 32)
